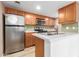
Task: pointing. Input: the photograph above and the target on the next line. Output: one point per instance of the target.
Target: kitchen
(52, 32)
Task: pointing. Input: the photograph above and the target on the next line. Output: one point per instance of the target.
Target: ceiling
(48, 8)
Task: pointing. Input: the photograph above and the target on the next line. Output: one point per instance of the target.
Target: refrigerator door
(11, 19)
(20, 20)
(14, 39)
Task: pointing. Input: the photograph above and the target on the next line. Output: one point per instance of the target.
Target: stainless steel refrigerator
(14, 33)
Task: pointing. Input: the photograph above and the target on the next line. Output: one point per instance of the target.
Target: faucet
(56, 31)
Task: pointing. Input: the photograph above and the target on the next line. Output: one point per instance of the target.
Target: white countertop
(53, 38)
(62, 45)
(30, 31)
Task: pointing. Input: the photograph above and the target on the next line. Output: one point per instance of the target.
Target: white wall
(1, 29)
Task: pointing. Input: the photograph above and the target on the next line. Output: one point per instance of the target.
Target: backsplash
(29, 28)
(65, 28)
(70, 27)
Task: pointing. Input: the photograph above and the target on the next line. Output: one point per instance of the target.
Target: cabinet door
(62, 13)
(29, 40)
(30, 19)
(49, 22)
(52, 22)
(20, 13)
(10, 10)
(71, 13)
(14, 11)
(39, 51)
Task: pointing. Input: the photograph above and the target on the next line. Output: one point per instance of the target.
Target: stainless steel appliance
(14, 33)
(40, 21)
(40, 25)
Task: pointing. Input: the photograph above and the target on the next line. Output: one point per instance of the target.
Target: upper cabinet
(30, 18)
(71, 13)
(67, 14)
(14, 11)
(62, 14)
(49, 21)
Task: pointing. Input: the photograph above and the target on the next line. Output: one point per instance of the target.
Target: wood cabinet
(14, 11)
(29, 40)
(30, 18)
(67, 14)
(49, 22)
(52, 22)
(71, 13)
(62, 14)
(39, 50)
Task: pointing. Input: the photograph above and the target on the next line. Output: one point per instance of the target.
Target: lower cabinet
(29, 40)
(39, 50)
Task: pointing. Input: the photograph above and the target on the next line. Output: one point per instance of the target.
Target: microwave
(40, 22)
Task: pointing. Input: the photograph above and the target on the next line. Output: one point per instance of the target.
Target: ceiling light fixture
(38, 7)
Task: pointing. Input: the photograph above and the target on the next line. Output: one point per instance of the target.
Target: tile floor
(28, 52)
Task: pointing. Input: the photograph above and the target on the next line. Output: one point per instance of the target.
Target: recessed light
(73, 28)
(38, 7)
(67, 28)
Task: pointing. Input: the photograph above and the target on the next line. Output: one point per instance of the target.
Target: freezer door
(14, 39)
(20, 20)
(11, 19)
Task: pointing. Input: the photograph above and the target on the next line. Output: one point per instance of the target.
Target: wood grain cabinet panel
(20, 13)
(67, 14)
(30, 18)
(52, 22)
(39, 50)
(10, 11)
(14, 11)
(49, 22)
(71, 13)
(29, 40)
(62, 14)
